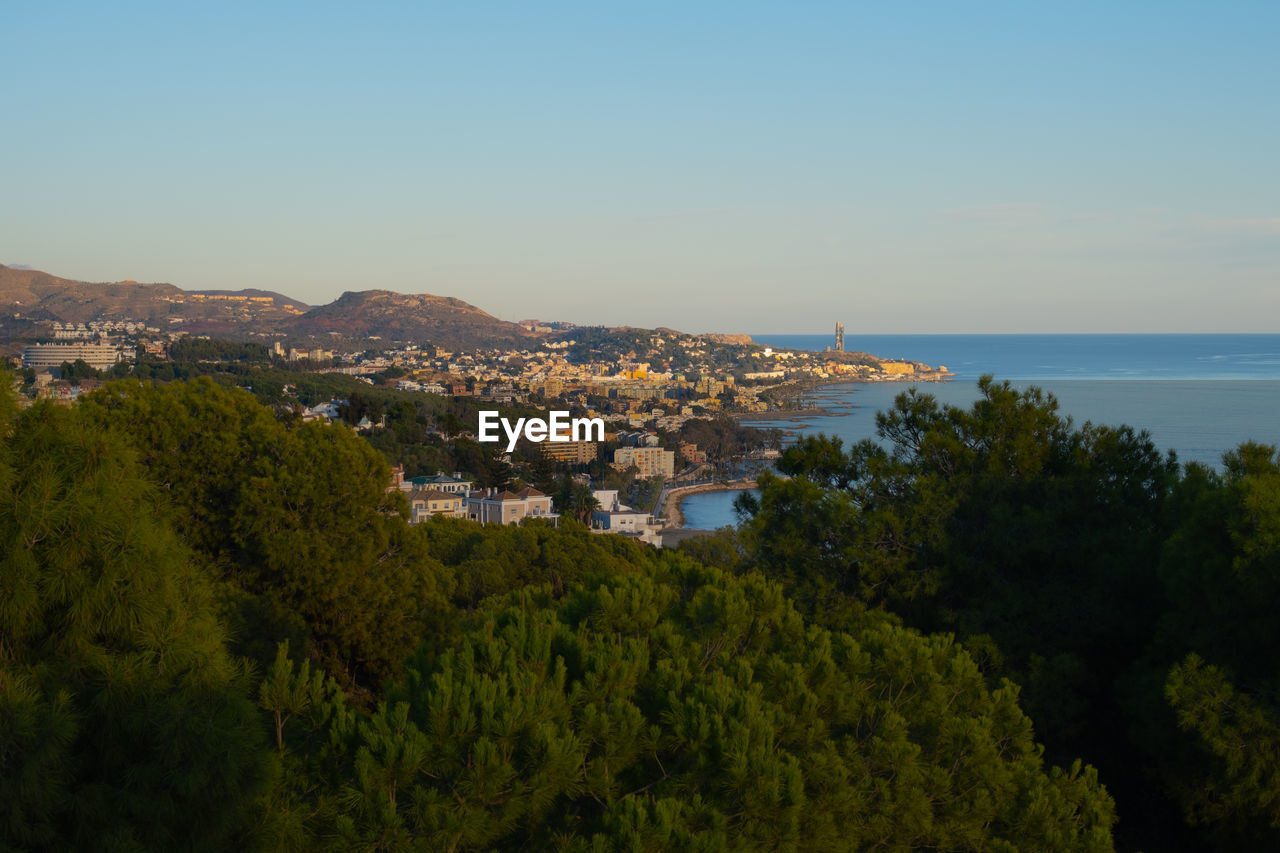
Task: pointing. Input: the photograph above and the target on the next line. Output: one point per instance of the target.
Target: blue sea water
(1045, 357)
(709, 510)
(1197, 395)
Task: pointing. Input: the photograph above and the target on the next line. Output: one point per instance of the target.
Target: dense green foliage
(122, 717)
(1222, 571)
(74, 371)
(1002, 522)
(494, 560)
(1076, 561)
(218, 631)
(295, 519)
(187, 349)
(687, 710)
(724, 437)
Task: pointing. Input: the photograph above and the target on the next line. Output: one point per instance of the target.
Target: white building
(100, 356)
(613, 517)
(327, 411)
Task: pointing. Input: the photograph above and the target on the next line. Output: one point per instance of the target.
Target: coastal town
(621, 374)
(640, 427)
(681, 412)
(653, 388)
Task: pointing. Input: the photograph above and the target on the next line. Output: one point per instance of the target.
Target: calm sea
(1198, 395)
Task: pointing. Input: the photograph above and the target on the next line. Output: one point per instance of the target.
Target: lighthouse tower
(839, 337)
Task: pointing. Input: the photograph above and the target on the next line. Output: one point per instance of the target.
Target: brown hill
(30, 299)
(418, 318)
(40, 296)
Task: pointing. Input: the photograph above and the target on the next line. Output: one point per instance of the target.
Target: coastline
(672, 510)
(802, 394)
(812, 404)
(673, 530)
(785, 414)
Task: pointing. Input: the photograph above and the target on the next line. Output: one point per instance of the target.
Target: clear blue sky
(715, 166)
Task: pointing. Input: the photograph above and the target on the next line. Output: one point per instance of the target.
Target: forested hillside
(997, 631)
(1132, 600)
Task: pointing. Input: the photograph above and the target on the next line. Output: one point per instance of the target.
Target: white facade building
(100, 356)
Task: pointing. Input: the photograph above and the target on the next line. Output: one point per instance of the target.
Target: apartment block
(99, 356)
(651, 461)
(571, 452)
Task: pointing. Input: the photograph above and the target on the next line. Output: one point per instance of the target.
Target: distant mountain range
(31, 298)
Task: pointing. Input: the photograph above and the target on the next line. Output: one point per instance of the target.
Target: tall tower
(839, 337)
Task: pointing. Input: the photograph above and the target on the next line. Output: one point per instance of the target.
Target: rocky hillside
(34, 296)
(30, 301)
(420, 318)
(39, 296)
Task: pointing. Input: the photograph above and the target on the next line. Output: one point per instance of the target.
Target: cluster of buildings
(238, 300)
(98, 329)
(456, 497)
(660, 376)
(100, 343)
(664, 377)
(628, 389)
(279, 350)
(640, 449)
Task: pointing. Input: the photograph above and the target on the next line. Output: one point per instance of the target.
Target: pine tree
(688, 709)
(296, 520)
(125, 723)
